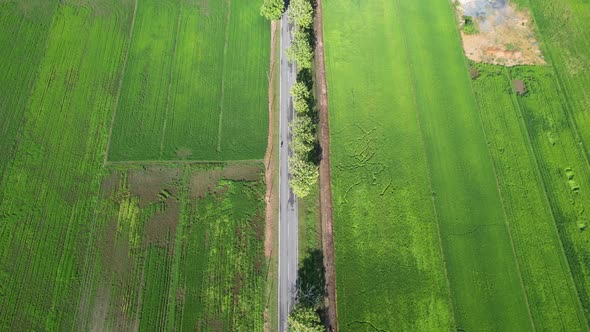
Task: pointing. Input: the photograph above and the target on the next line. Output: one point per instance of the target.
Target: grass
(84, 247)
(552, 293)
(389, 266)
(406, 132)
(195, 83)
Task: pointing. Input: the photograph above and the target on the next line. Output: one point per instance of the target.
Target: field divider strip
(424, 155)
(541, 182)
(121, 77)
(225, 41)
(170, 78)
(186, 162)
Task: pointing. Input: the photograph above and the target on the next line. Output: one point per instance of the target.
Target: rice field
(86, 245)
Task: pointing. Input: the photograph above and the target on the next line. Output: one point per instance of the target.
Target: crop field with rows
(547, 278)
(194, 86)
(89, 246)
(180, 248)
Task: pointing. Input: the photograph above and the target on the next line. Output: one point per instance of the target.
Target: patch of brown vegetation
(109, 185)
(505, 34)
(162, 227)
(237, 172)
(204, 181)
(148, 182)
(519, 87)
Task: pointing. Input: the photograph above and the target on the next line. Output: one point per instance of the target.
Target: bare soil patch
(519, 87)
(149, 182)
(505, 35)
(202, 182)
(162, 227)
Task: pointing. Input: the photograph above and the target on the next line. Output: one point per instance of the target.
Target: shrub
(272, 9)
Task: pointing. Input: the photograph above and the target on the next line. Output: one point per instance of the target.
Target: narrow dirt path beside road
(325, 185)
(270, 161)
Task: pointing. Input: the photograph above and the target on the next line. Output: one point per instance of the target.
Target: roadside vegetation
(303, 163)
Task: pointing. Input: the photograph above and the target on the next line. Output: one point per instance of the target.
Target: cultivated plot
(195, 85)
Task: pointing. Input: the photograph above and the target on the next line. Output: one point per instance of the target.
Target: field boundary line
(425, 156)
(225, 40)
(183, 162)
(121, 77)
(170, 78)
(541, 183)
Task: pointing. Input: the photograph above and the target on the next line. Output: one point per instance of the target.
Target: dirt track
(325, 185)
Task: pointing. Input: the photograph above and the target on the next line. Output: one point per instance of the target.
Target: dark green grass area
(195, 86)
(563, 166)
(24, 30)
(552, 293)
(49, 191)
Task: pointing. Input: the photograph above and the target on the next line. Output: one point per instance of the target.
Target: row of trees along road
(303, 163)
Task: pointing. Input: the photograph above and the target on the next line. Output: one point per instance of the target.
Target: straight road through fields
(288, 231)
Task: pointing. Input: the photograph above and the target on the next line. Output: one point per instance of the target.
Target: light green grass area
(389, 266)
(376, 141)
(195, 86)
(552, 294)
(49, 192)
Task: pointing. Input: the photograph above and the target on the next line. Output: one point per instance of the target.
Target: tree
(305, 319)
(304, 175)
(301, 13)
(300, 94)
(272, 9)
(300, 50)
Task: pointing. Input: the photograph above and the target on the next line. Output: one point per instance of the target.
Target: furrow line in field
(120, 82)
(223, 70)
(170, 78)
(539, 175)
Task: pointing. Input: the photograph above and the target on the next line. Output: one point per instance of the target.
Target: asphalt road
(288, 231)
